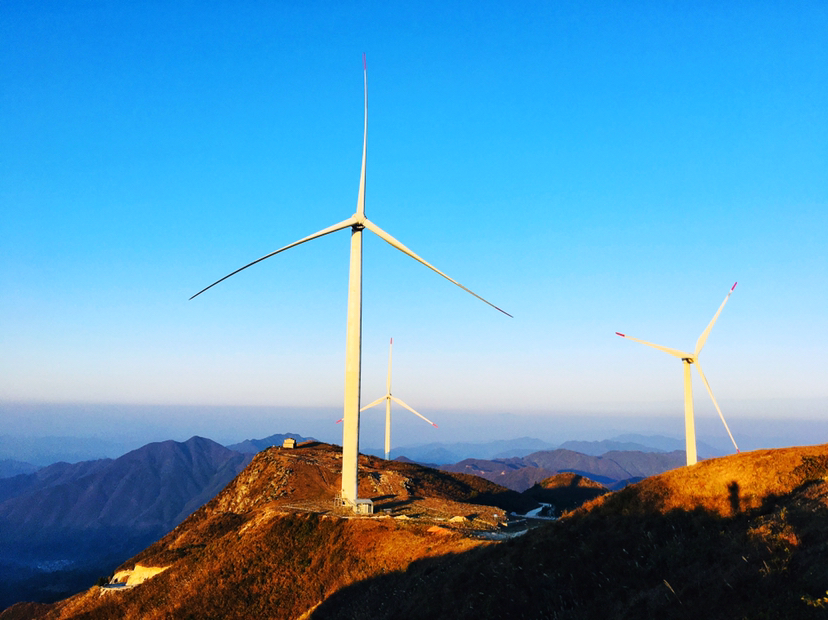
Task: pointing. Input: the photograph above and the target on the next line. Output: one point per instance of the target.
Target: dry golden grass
(737, 537)
(741, 537)
(731, 484)
(272, 545)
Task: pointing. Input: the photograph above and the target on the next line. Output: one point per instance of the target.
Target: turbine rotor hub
(359, 222)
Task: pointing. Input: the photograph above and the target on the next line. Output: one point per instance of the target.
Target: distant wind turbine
(688, 359)
(388, 398)
(353, 342)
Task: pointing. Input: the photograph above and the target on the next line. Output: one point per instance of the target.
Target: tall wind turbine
(353, 340)
(688, 359)
(388, 398)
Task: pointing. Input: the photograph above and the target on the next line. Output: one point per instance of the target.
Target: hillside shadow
(381, 498)
(733, 497)
(628, 558)
(397, 504)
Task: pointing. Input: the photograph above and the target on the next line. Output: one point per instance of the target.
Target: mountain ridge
(61, 524)
(739, 536)
(612, 468)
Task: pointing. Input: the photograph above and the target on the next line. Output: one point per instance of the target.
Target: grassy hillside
(271, 544)
(737, 537)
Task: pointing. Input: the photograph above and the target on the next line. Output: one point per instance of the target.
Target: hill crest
(675, 545)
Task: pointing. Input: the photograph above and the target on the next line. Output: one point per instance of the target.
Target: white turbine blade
(703, 338)
(361, 196)
(375, 403)
(399, 402)
(715, 404)
(325, 231)
(396, 244)
(674, 352)
(388, 380)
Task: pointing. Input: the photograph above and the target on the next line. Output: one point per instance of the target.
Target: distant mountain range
(42, 451)
(252, 446)
(67, 524)
(10, 467)
(447, 453)
(614, 469)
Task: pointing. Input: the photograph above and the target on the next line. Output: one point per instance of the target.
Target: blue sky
(589, 167)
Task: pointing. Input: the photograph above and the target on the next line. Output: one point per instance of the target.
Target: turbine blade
(673, 352)
(361, 196)
(388, 380)
(715, 404)
(379, 232)
(325, 231)
(703, 338)
(375, 403)
(399, 402)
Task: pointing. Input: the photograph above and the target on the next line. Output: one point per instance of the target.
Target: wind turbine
(688, 359)
(353, 341)
(388, 398)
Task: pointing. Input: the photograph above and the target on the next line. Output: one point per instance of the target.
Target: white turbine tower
(388, 398)
(688, 359)
(353, 341)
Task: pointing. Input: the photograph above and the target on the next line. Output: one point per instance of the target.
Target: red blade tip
(434, 425)
(620, 334)
(734, 285)
(339, 420)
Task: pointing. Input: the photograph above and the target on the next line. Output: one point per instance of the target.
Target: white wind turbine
(688, 359)
(353, 341)
(388, 398)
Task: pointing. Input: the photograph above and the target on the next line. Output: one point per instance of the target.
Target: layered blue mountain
(253, 446)
(11, 467)
(445, 453)
(613, 469)
(67, 524)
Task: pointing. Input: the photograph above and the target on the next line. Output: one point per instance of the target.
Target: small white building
(290, 442)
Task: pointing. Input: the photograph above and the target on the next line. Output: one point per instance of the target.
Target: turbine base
(358, 506)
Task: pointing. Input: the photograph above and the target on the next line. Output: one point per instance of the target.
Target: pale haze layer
(590, 169)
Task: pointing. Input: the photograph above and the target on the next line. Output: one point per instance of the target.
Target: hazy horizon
(120, 428)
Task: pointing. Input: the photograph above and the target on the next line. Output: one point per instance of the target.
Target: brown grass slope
(738, 537)
(270, 546)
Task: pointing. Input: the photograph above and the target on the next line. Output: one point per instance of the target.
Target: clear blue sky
(588, 166)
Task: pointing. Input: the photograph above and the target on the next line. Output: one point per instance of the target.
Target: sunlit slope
(730, 484)
(270, 546)
(738, 537)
